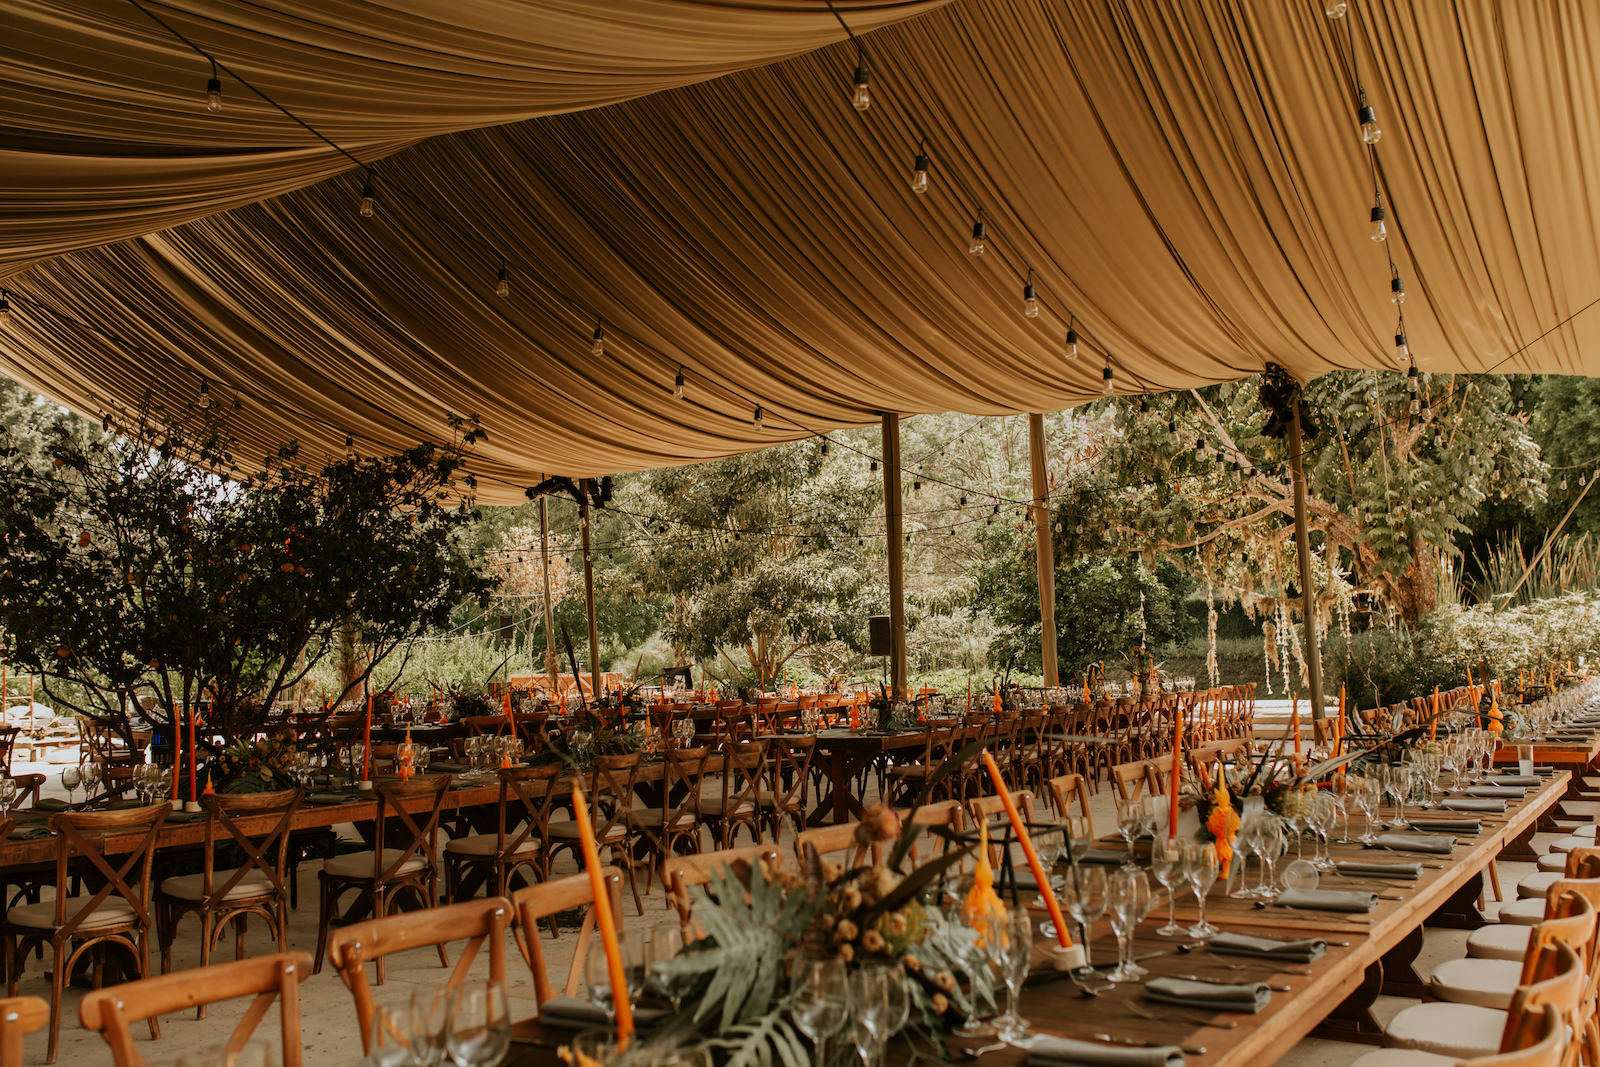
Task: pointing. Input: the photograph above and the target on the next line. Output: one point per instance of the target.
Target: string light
(824, 446)
(980, 238)
(350, 453)
(861, 91)
(1371, 132)
(205, 395)
(1402, 351)
(1030, 299)
(369, 202)
(5, 307)
(1397, 289)
(1072, 339)
(1379, 231)
(502, 282)
(677, 385)
(760, 418)
(1335, 9)
(598, 348)
(919, 171)
(214, 91)
(1107, 378)
(1563, 483)
(873, 467)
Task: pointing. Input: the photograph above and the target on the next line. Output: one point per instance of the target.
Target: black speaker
(878, 639)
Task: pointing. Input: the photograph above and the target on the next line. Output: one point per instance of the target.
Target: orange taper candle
(1039, 875)
(1296, 707)
(604, 921)
(1433, 726)
(1177, 772)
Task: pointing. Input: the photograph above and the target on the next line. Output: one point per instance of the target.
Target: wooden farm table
(1576, 757)
(843, 754)
(188, 830)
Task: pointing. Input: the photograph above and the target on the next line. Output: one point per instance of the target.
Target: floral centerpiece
(594, 731)
(756, 918)
(465, 703)
(254, 766)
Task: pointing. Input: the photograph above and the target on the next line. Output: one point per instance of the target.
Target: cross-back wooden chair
(399, 864)
(1069, 796)
(991, 809)
(19, 1017)
(477, 922)
(8, 740)
(737, 801)
(543, 902)
(256, 826)
(906, 778)
(1538, 1039)
(487, 725)
(788, 786)
(527, 796)
(1135, 779)
(686, 872)
(111, 1012)
(672, 825)
(117, 913)
(838, 839)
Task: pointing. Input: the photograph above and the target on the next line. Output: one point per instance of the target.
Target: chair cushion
(1486, 983)
(1465, 1031)
(1576, 841)
(1554, 863)
(193, 886)
(567, 830)
(1404, 1057)
(481, 846)
(712, 806)
(1499, 941)
(113, 911)
(1592, 831)
(358, 865)
(1526, 912)
(1537, 885)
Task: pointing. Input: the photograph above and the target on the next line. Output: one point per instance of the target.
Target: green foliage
(1571, 564)
(1566, 423)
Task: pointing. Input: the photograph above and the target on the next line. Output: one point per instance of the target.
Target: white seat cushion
(1554, 863)
(1526, 912)
(1403, 1057)
(481, 846)
(1537, 885)
(1465, 1031)
(1499, 941)
(737, 806)
(359, 864)
(193, 886)
(1576, 841)
(1592, 831)
(112, 911)
(1486, 983)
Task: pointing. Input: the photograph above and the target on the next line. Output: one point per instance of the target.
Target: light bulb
(677, 386)
(1107, 379)
(369, 205)
(1030, 302)
(919, 174)
(1335, 9)
(5, 308)
(1379, 232)
(1397, 290)
(1402, 351)
(1199, 446)
(502, 283)
(760, 418)
(824, 446)
(205, 395)
(598, 348)
(1072, 342)
(1172, 427)
(980, 239)
(1416, 406)
(873, 466)
(1563, 482)
(1371, 133)
(214, 94)
(861, 94)
(349, 447)
(1438, 440)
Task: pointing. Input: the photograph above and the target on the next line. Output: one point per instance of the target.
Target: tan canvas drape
(1186, 179)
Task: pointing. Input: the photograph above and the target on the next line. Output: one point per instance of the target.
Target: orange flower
(983, 909)
(1223, 822)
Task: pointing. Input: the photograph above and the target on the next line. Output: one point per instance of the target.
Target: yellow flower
(1223, 823)
(983, 909)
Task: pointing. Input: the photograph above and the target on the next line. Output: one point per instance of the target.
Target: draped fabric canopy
(1185, 181)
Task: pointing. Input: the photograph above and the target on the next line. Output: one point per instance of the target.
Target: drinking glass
(1129, 902)
(821, 999)
(479, 1034)
(1080, 837)
(597, 973)
(8, 794)
(71, 778)
(1400, 789)
(975, 960)
(1015, 957)
(1324, 817)
(1364, 791)
(427, 1022)
(1166, 863)
(870, 998)
(1130, 821)
(1200, 869)
(1271, 845)
(1084, 897)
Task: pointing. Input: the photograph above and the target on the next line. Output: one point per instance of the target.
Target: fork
(1172, 1017)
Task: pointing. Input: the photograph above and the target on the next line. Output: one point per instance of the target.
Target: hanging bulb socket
(677, 386)
(824, 446)
(204, 402)
(502, 282)
(980, 239)
(1402, 351)
(1371, 132)
(350, 448)
(873, 466)
(1379, 231)
(369, 202)
(1172, 426)
(860, 87)
(1107, 379)
(5, 307)
(1397, 290)
(213, 91)
(919, 173)
(1335, 9)
(1199, 447)
(1030, 302)
(760, 419)
(598, 347)
(1072, 341)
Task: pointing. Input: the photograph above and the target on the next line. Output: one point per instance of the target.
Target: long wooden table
(1366, 954)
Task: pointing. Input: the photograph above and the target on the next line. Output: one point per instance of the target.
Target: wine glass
(1085, 899)
(869, 998)
(1400, 780)
(821, 1002)
(661, 978)
(975, 959)
(597, 973)
(1166, 863)
(1271, 845)
(8, 793)
(1130, 821)
(90, 774)
(427, 1023)
(1128, 894)
(1080, 837)
(71, 778)
(1365, 793)
(1015, 957)
(479, 1034)
(1324, 816)
(1200, 869)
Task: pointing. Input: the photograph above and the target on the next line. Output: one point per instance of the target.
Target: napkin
(1436, 844)
(1448, 826)
(1328, 899)
(327, 798)
(1104, 855)
(447, 767)
(1495, 791)
(1516, 779)
(1473, 804)
(50, 804)
(186, 816)
(1304, 950)
(1059, 1051)
(1248, 997)
(1363, 869)
(570, 1013)
(31, 833)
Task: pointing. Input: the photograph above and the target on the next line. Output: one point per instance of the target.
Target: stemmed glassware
(1270, 845)
(479, 1033)
(1130, 823)
(1365, 793)
(660, 977)
(1166, 863)
(878, 997)
(1200, 868)
(1129, 902)
(8, 793)
(821, 1002)
(427, 1024)
(1324, 817)
(91, 779)
(71, 778)
(1397, 784)
(597, 973)
(1084, 897)
(1014, 959)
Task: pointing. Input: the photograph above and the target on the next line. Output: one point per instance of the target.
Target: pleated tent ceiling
(1185, 179)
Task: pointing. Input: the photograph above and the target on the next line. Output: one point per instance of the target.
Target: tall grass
(1572, 565)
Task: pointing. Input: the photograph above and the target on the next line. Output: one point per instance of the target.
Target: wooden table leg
(1400, 977)
(1461, 911)
(1353, 1019)
(1520, 848)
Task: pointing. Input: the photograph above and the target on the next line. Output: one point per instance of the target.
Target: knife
(1188, 1050)
(1229, 981)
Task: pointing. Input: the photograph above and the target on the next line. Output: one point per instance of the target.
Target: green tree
(760, 556)
(1566, 423)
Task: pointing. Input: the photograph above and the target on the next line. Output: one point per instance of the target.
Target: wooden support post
(894, 530)
(1302, 544)
(1044, 549)
(588, 594)
(551, 663)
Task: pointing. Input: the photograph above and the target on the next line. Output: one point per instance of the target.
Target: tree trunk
(350, 666)
(1416, 591)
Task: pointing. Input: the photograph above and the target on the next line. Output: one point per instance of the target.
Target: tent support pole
(550, 662)
(588, 598)
(1302, 544)
(1044, 549)
(894, 530)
